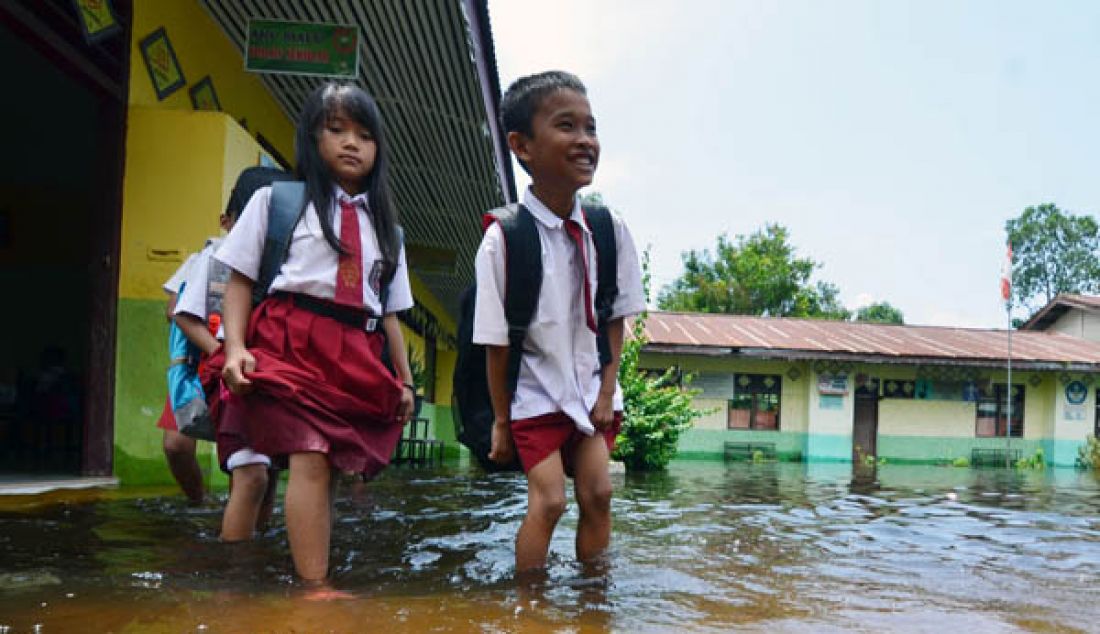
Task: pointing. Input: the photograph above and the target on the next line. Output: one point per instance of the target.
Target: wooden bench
(417, 446)
(990, 457)
(748, 450)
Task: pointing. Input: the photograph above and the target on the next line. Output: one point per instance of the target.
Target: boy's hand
(238, 363)
(502, 451)
(408, 404)
(603, 414)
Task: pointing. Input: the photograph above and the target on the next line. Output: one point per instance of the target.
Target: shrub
(1088, 454)
(656, 411)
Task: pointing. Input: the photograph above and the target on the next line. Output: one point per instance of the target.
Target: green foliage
(961, 461)
(1088, 454)
(1035, 461)
(416, 367)
(880, 313)
(758, 274)
(656, 409)
(1054, 252)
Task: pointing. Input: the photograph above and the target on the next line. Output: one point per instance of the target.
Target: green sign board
(302, 48)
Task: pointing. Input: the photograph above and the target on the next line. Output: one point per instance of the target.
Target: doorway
(60, 210)
(865, 422)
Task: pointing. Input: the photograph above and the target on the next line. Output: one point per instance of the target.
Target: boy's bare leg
(247, 487)
(593, 488)
(179, 450)
(308, 514)
(545, 506)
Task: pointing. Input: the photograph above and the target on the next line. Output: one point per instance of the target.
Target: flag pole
(1006, 293)
(1008, 391)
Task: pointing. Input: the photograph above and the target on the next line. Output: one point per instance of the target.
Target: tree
(880, 313)
(1054, 252)
(656, 411)
(758, 274)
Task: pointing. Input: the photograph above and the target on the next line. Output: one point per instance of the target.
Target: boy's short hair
(251, 179)
(522, 99)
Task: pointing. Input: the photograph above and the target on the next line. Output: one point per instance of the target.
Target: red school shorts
(538, 437)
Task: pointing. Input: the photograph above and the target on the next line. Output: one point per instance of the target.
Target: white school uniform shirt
(172, 286)
(311, 264)
(560, 369)
(193, 298)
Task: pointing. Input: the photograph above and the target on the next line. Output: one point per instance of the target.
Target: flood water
(705, 547)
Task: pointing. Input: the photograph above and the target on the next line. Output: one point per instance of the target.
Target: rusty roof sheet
(811, 338)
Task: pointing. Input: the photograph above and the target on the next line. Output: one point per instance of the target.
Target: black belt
(347, 315)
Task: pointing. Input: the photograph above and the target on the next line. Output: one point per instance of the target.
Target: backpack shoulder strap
(288, 202)
(522, 278)
(602, 226)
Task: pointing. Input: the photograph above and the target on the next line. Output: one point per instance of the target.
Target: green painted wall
(940, 449)
(708, 444)
(141, 359)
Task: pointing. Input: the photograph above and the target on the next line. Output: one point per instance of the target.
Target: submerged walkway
(36, 483)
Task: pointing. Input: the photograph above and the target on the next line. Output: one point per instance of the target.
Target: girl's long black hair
(354, 103)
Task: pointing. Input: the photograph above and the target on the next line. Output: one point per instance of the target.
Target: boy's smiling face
(563, 149)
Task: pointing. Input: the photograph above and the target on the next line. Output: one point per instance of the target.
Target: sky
(892, 138)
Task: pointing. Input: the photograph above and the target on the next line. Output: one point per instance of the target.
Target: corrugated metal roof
(424, 62)
(1058, 306)
(818, 339)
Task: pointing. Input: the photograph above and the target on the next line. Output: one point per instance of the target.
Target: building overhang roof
(432, 68)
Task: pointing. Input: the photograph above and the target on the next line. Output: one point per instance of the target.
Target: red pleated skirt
(167, 420)
(320, 386)
(538, 437)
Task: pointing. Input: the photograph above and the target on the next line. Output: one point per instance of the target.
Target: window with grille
(992, 413)
(755, 402)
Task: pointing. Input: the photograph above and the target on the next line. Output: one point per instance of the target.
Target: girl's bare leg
(308, 514)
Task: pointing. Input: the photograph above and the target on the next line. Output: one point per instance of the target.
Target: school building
(815, 390)
(126, 123)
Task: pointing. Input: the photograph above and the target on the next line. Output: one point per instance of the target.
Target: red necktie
(349, 271)
(573, 228)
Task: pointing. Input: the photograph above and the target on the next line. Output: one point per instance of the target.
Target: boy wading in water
(566, 410)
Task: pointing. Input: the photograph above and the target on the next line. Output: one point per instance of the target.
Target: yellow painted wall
(172, 194)
(910, 417)
(180, 167)
(202, 49)
(445, 360)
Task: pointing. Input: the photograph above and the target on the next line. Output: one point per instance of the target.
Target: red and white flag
(1006, 275)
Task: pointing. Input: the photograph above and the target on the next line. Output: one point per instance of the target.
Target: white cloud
(863, 299)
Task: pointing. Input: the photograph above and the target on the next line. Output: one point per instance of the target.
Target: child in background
(198, 314)
(566, 409)
(179, 450)
(307, 361)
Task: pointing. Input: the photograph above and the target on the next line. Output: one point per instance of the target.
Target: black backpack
(472, 407)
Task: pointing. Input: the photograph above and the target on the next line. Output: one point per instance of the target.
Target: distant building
(838, 391)
(1074, 315)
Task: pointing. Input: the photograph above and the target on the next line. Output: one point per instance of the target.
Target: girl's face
(349, 151)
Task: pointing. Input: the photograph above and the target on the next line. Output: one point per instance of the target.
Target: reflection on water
(705, 547)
